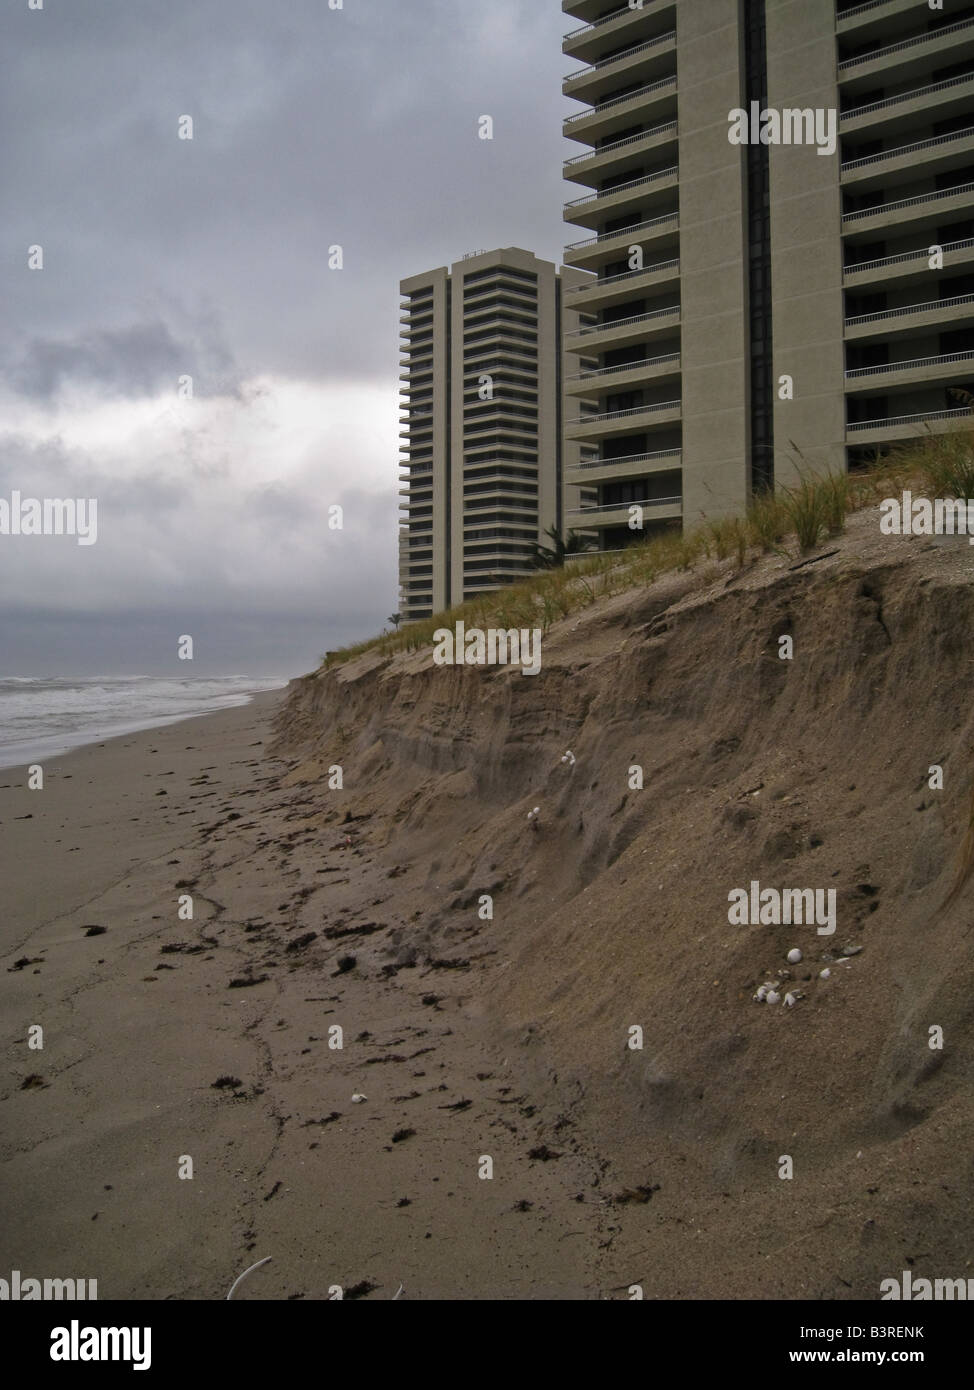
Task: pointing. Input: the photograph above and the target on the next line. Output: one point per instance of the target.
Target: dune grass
(803, 514)
(946, 462)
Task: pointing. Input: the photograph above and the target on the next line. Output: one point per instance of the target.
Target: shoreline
(53, 747)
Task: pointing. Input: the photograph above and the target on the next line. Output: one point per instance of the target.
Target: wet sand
(169, 1040)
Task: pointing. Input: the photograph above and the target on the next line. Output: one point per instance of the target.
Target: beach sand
(742, 1151)
(142, 1013)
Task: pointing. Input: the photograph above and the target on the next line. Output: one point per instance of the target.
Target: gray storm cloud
(166, 258)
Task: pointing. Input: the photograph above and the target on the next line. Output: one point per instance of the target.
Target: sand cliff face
(809, 773)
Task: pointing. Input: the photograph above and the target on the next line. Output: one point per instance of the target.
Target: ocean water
(44, 717)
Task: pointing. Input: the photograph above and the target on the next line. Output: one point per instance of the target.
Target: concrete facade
(484, 448)
(713, 256)
(754, 312)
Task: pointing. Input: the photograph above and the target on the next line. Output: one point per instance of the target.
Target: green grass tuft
(813, 508)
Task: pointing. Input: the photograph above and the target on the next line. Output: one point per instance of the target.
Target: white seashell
(358, 1098)
(794, 956)
(762, 992)
(773, 996)
(790, 1000)
(825, 974)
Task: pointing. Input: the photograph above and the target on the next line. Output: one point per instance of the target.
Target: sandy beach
(143, 1014)
(487, 972)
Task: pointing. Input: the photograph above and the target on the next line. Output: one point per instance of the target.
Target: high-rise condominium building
(756, 309)
(483, 447)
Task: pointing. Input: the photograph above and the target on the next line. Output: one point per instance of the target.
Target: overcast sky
(165, 258)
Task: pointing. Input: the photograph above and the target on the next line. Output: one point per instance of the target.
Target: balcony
(880, 170)
(518, 318)
(500, 298)
(611, 290)
(638, 59)
(940, 203)
(598, 517)
(595, 471)
(909, 265)
(595, 165)
(499, 497)
(897, 427)
(908, 57)
(494, 355)
(603, 426)
(625, 374)
(877, 13)
(933, 313)
(653, 99)
(947, 368)
(592, 252)
(603, 336)
(639, 193)
(493, 548)
(944, 98)
(585, 43)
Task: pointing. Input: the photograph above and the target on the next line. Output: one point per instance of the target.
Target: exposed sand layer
(809, 773)
(507, 1038)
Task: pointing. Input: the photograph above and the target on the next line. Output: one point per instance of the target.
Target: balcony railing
(597, 23)
(629, 366)
(623, 231)
(905, 43)
(632, 458)
(860, 9)
(906, 419)
(624, 275)
(908, 149)
(632, 410)
(624, 323)
(618, 144)
(886, 367)
(623, 187)
(907, 96)
(627, 96)
(618, 57)
(880, 208)
(591, 508)
(923, 255)
(911, 309)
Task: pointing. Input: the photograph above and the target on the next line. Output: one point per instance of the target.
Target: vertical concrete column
(806, 247)
(458, 273)
(571, 452)
(713, 266)
(441, 436)
(549, 375)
